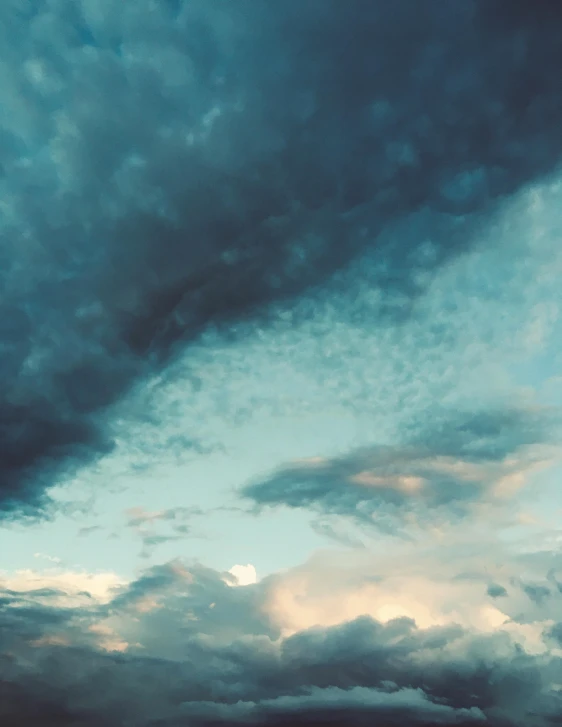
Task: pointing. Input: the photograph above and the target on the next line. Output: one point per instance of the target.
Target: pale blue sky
(317, 389)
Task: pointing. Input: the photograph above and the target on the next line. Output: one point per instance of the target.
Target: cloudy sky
(280, 363)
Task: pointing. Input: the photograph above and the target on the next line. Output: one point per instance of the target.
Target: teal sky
(280, 363)
(317, 389)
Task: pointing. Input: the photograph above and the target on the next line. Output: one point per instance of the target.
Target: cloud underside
(178, 645)
(458, 463)
(176, 166)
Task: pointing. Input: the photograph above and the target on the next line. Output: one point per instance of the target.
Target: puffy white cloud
(244, 574)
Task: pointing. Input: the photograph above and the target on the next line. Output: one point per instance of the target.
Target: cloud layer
(159, 178)
(217, 219)
(179, 644)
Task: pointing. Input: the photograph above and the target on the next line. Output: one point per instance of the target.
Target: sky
(280, 363)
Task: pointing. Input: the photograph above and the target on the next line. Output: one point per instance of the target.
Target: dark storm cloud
(357, 706)
(231, 668)
(449, 462)
(170, 166)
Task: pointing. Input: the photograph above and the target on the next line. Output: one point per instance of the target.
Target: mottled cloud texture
(173, 166)
(178, 645)
(212, 208)
(440, 475)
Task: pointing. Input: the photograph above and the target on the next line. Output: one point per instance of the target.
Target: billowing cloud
(178, 645)
(173, 166)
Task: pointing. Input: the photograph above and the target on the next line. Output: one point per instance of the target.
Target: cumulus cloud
(457, 463)
(244, 574)
(178, 644)
(159, 178)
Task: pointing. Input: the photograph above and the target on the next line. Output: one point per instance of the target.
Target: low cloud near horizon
(349, 636)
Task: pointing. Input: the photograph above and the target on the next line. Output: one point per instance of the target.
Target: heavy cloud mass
(264, 261)
(179, 646)
(173, 166)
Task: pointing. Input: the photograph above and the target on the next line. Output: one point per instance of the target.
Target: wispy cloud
(145, 524)
(443, 473)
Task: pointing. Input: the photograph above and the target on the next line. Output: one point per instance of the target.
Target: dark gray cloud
(537, 593)
(554, 578)
(168, 167)
(197, 601)
(192, 663)
(555, 633)
(495, 590)
(450, 462)
(486, 434)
